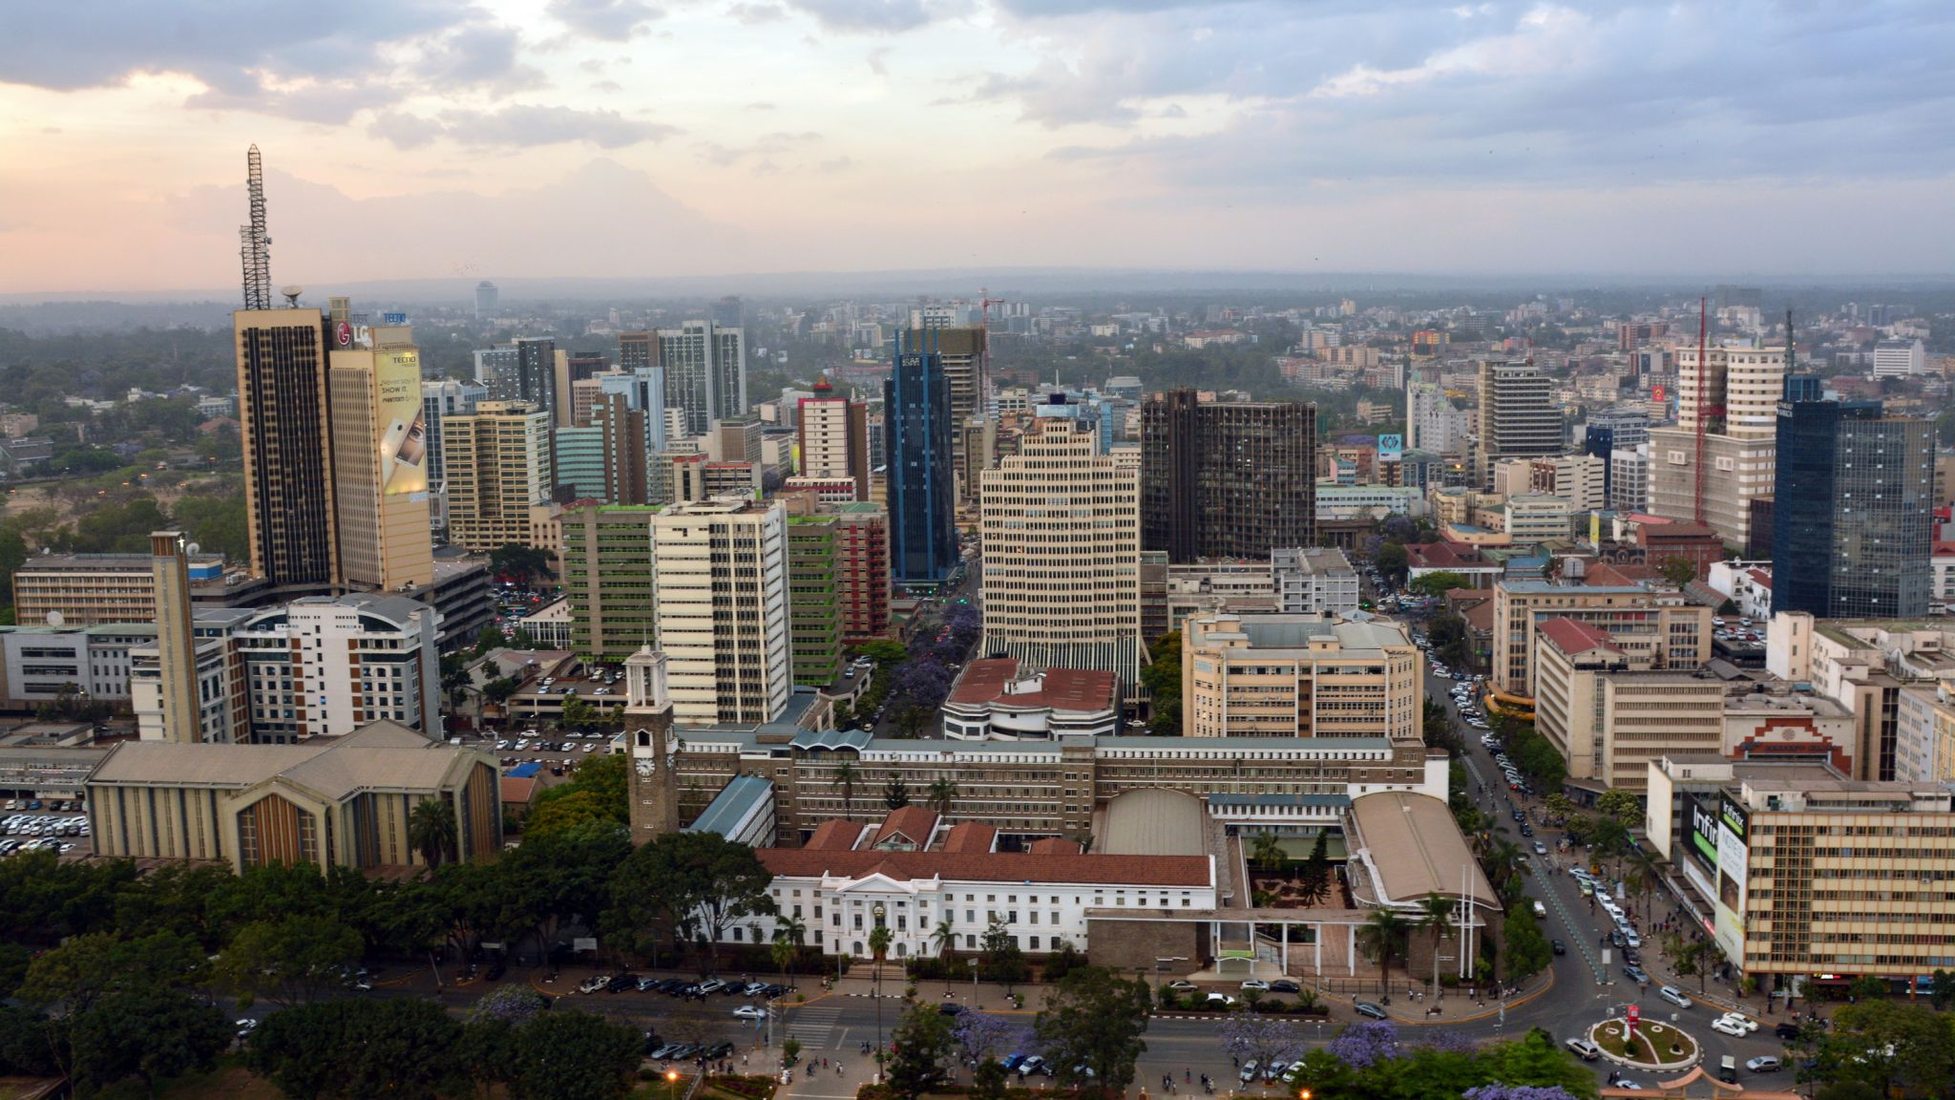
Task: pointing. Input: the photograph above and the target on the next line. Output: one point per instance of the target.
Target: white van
(1675, 996)
(1540, 911)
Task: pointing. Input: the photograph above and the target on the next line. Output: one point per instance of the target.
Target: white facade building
(1313, 578)
(720, 574)
(1900, 358)
(328, 665)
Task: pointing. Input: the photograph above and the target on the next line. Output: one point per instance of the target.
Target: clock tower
(652, 782)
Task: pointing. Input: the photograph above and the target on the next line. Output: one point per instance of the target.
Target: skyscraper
(1432, 423)
(720, 569)
(607, 561)
(380, 461)
(282, 402)
(814, 603)
(440, 399)
(535, 380)
(961, 348)
(1853, 516)
(1738, 407)
(920, 472)
(1061, 526)
(499, 469)
(486, 296)
(1227, 479)
(705, 372)
(834, 437)
(1518, 415)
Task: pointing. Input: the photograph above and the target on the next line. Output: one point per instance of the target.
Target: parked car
(1255, 984)
(594, 984)
(1373, 1011)
(1218, 1000)
(1585, 1050)
(1284, 985)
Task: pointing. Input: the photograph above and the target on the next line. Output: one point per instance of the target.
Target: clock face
(646, 765)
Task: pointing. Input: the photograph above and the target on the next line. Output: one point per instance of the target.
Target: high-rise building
(814, 605)
(1629, 478)
(919, 468)
(1518, 415)
(535, 380)
(499, 467)
(380, 461)
(1061, 528)
(834, 437)
(720, 569)
(1313, 579)
(1432, 422)
(327, 665)
(643, 389)
(961, 350)
(1853, 516)
(862, 570)
(486, 296)
(604, 460)
(288, 474)
(1298, 675)
(496, 369)
(705, 371)
(440, 399)
(1738, 408)
(1227, 479)
(1610, 429)
(1900, 358)
(607, 564)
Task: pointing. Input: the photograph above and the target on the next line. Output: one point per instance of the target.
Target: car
(1218, 1000)
(711, 985)
(1182, 985)
(717, 1051)
(1371, 1011)
(664, 1052)
(1636, 974)
(1585, 1050)
(1675, 996)
(622, 982)
(1630, 938)
(1255, 984)
(1586, 887)
(1249, 1069)
(246, 1026)
(1559, 947)
(1787, 1032)
(1012, 1060)
(1034, 1064)
(1284, 985)
(1628, 1084)
(594, 984)
(949, 1008)
(750, 1012)
(1765, 1063)
(1723, 1025)
(1741, 1020)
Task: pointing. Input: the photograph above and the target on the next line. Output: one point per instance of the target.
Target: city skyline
(604, 138)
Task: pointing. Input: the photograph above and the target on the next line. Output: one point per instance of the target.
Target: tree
(1900, 1047)
(1677, 571)
(1437, 918)
(1315, 879)
(1263, 1040)
(923, 1046)
(1438, 582)
(149, 1034)
(1385, 935)
(570, 1055)
(1266, 851)
(896, 794)
(358, 1048)
(289, 961)
(595, 795)
(844, 778)
(1528, 952)
(1162, 681)
(498, 690)
(789, 932)
(982, 1037)
(700, 883)
(1623, 806)
(943, 794)
(943, 935)
(521, 564)
(989, 1081)
(1393, 562)
(1094, 1020)
(431, 831)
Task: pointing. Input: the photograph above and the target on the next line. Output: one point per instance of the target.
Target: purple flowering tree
(514, 1003)
(1498, 1091)
(981, 1036)
(1264, 1040)
(1449, 1041)
(1363, 1045)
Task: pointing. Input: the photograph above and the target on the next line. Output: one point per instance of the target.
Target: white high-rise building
(1900, 358)
(1432, 422)
(1739, 410)
(1629, 478)
(720, 574)
(1061, 529)
(705, 372)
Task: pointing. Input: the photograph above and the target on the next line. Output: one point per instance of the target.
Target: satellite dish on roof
(193, 548)
(55, 618)
(291, 293)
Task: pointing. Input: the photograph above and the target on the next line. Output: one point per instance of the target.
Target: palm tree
(789, 932)
(1385, 934)
(943, 792)
(1437, 919)
(1266, 851)
(431, 831)
(1644, 875)
(943, 937)
(845, 779)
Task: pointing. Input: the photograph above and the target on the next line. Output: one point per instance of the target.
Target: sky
(618, 138)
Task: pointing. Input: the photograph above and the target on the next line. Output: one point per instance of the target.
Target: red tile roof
(517, 790)
(834, 835)
(1441, 555)
(1764, 580)
(1944, 549)
(984, 680)
(913, 823)
(1616, 575)
(1573, 636)
(1054, 846)
(1015, 867)
(968, 836)
(1068, 689)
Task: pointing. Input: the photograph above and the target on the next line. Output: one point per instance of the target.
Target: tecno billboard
(404, 427)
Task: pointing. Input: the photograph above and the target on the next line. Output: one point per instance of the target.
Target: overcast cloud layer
(703, 136)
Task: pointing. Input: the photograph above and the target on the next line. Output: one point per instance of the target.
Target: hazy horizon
(704, 139)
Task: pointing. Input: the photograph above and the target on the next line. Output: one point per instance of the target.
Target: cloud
(753, 15)
(519, 126)
(610, 20)
(764, 147)
(868, 16)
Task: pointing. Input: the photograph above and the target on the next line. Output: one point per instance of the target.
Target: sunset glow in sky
(508, 138)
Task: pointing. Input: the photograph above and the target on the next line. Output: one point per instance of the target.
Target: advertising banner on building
(404, 426)
(1391, 447)
(1733, 852)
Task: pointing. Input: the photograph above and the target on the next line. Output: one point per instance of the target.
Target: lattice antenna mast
(254, 246)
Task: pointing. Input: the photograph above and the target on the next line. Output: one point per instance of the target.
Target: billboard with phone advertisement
(402, 423)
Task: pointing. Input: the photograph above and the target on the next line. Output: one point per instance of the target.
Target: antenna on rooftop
(254, 245)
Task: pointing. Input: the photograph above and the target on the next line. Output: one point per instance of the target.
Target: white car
(1256, 984)
(1725, 1025)
(1739, 1019)
(749, 1012)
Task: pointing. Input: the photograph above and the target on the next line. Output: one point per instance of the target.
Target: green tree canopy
(695, 883)
(570, 1055)
(1094, 1020)
(1438, 583)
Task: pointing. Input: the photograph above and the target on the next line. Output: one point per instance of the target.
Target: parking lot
(32, 824)
(557, 752)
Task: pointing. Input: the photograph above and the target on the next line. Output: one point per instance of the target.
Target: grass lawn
(1651, 1045)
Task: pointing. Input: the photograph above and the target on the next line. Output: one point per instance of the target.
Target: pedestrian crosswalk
(815, 1026)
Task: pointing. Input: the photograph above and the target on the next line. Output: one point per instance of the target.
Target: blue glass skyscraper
(920, 470)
